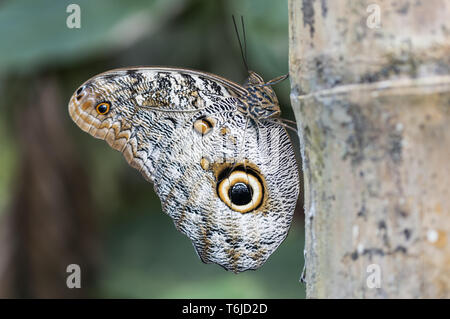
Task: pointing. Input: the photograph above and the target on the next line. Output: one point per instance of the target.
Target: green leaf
(35, 33)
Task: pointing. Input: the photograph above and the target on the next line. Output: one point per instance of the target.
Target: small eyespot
(79, 93)
(102, 108)
(203, 125)
(80, 90)
(224, 130)
(204, 163)
(242, 191)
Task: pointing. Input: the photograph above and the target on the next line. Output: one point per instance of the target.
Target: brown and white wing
(229, 184)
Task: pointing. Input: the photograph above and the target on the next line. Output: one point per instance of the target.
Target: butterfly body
(224, 169)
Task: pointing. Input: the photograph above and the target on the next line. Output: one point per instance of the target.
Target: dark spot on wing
(110, 78)
(136, 75)
(164, 84)
(188, 78)
(212, 85)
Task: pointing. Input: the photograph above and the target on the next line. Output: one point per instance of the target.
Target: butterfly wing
(229, 183)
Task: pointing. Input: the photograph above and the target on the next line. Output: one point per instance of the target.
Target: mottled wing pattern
(228, 182)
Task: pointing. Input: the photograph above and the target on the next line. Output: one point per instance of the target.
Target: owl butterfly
(216, 152)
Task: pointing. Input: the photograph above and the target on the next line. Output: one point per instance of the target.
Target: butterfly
(218, 153)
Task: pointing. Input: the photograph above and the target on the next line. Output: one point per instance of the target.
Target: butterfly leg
(274, 81)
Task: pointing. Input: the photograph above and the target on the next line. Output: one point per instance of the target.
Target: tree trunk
(371, 94)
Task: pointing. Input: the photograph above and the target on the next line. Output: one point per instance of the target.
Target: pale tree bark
(371, 93)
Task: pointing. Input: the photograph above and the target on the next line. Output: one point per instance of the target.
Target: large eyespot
(242, 190)
(103, 108)
(203, 125)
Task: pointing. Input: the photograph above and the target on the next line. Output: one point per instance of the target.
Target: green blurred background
(66, 198)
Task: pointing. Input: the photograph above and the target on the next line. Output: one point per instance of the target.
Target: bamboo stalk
(371, 93)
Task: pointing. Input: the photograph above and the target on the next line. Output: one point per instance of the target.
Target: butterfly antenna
(245, 40)
(240, 43)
